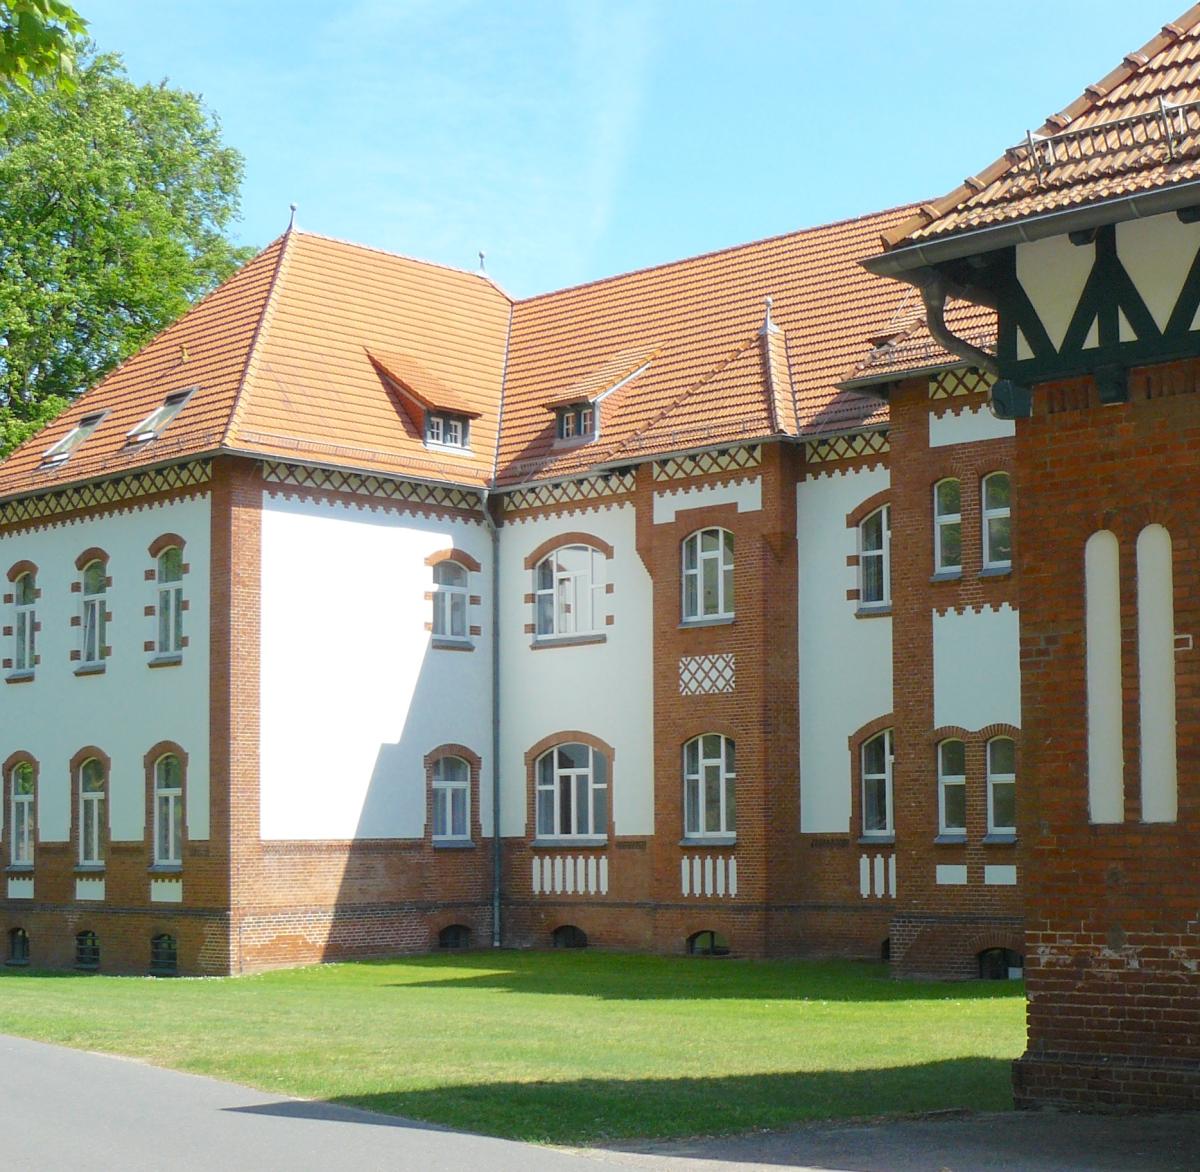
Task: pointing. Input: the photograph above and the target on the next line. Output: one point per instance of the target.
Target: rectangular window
(874, 559)
(947, 529)
(60, 453)
(577, 421)
(997, 522)
(877, 785)
(446, 431)
(952, 787)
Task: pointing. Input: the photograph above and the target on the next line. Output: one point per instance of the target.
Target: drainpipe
(935, 289)
(485, 501)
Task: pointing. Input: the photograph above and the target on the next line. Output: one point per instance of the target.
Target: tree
(37, 41)
(113, 203)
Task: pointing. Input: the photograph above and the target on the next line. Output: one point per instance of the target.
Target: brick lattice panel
(953, 384)
(705, 463)
(847, 447)
(707, 675)
(568, 492)
(331, 480)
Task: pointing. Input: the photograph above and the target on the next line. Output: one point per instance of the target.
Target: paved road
(63, 1108)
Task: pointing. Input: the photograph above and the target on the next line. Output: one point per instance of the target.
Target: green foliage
(561, 1047)
(114, 200)
(38, 42)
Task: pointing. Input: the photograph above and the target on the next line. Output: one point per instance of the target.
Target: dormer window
(61, 452)
(577, 421)
(446, 431)
(155, 423)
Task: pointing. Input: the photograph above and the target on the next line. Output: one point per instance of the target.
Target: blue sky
(574, 139)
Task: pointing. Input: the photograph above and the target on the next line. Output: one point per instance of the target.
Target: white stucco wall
(1053, 272)
(976, 668)
(969, 426)
(1157, 253)
(745, 493)
(129, 707)
(845, 662)
(352, 694)
(603, 688)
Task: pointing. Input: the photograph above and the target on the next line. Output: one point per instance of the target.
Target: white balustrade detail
(570, 875)
(877, 876)
(708, 875)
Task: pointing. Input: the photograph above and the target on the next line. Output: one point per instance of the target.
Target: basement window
(156, 422)
(577, 421)
(61, 452)
(446, 431)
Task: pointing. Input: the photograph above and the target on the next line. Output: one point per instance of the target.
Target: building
(1086, 240)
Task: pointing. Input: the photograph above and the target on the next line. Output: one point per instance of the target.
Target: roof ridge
(1092, 96)
(670, 264)
(260, 328)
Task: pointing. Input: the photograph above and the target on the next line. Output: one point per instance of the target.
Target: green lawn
(562, 1047)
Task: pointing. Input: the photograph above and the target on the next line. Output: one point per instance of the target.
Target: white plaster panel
(976, 668)
(1156, 675)
(845, 662)
(601, 688)
(353, 695)
(1053, 273)
(1105, 700)
(89, 889)
(1157, 253)
(951, 875)
(20, 888)
(1000, 875)
(129, 707)
(166, 891)
(745, 493)
(969, 426)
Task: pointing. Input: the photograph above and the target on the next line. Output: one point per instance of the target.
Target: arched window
(569, 592)
(18, 946)
(24, 624)
(164, 955)
(455, 936)
(450, 590)
(170, 601)
(707, 943)
(1002, 785)
(87, 951)
(568, 936)
(947, 526)
(168, 811)
(997, 522)
(21, 791)
(708, 575)
(92, 784)
(952, 787)
(451, 798)
(875, 559)
(709, 775)
(877, 785)
(572, 792)
(93, 621)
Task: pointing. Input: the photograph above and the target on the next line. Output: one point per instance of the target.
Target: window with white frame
(25, 623)
(92, 785)
(947, 526)
(92, 630)
(997, 521)
(170, 601)
(569, 592)
(446, 431)
(60, 452)
(451, 798)
(577, 421)
(572, 792)
(877, 785)
(450, 589)
(708, 575)
(875, 559)
(1002, 785)
(952, 787)
(21, 815)
(709, 777)
(155, 423)
(168, 811)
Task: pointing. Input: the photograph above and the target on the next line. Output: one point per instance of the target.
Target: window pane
(93, 578)
(458, 821)
(950, 537)
(689, 553)
(23, 779)
(545, 614)
(709, 540)
(599, 811)
(875, 804)
(451, 769)
(691, 607)
(170, 565)
(999, 539)
(710, 570)
(872, 577)
(948, 497)
(691, 801)
(600, 768)
(545, 812)
(165, 624)
(872, 532)
(729, 762)
(712, 798)
(955, 806)
(458, 615)
(954, 758)
(449, 574)
(728, 587)
(1004, 805)
(565, 611)
(874, 755)
(546, 769)
(996, 491)
(25, 590)
(712, 746)
(691, 757)
(572, 756)
(92, 777)
(565, 821)
(730, 805)
(728, 538)
(545, 573)
(1001, 756)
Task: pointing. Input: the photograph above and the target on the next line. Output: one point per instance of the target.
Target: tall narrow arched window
(170, 601)
(24, 624)
(18, 946)
(874, 559)
(569, 592)
(997, 521)
(21, 783)
(1002, 786)
(952, 787)
(450, 593)
(168, 811)
(877, 785)
(947, 526)
(93, 620)
(709, 776)
(572, 792)
(92, 787)
(708, 575)
(451, 797)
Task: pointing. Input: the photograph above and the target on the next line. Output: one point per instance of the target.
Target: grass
(561, 1047)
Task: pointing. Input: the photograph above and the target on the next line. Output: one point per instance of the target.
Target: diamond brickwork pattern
(568, 492)
(707, 675)
(847, 447)
(331, 480)
(951, 384)
(703, 463)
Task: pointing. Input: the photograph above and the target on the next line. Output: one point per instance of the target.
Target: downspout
(935, 289)
(489, 520)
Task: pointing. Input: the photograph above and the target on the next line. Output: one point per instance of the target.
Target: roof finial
(768, 326)
(482, 266)
(292, 217)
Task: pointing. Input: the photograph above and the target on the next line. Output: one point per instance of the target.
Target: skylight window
(61, 452)
(155, 423)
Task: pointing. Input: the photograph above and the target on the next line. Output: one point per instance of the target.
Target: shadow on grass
(592, 1111)
(631, 977)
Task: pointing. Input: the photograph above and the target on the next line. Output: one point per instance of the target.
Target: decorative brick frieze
(381, 487)
(862, 445)
(568, 492)
(720, 460)
(706, 675)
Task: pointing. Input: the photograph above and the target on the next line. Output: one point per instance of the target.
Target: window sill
(449, 449)
(19, 677)
(165, 869)
(709, 840)
(570, 844)
(448, 643)
(165, 661)
(716, 621)
(90, 669)
(879, 611)
(951, 839)
(574, 441)
(877, 840)
(19, 869)
(94, 870)
(996, 571)
(998, 838)
(453, 844)
(947, 576)
(546, 641)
